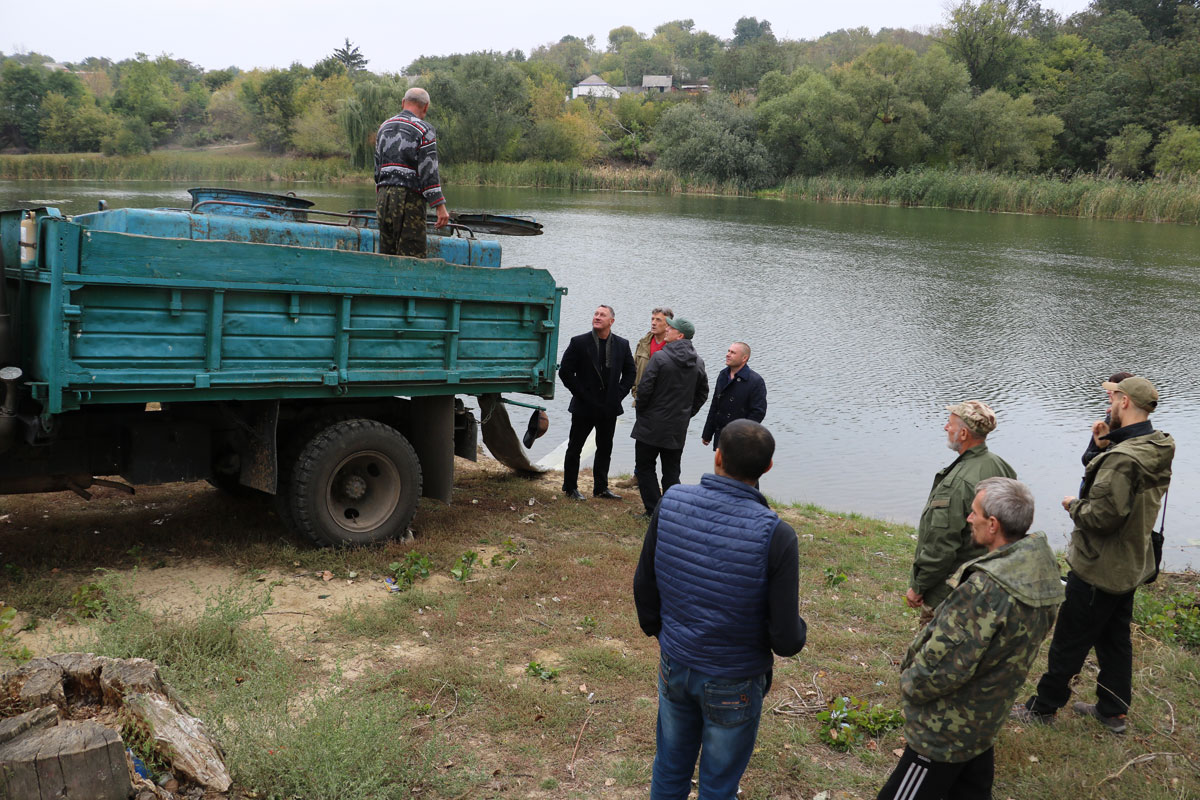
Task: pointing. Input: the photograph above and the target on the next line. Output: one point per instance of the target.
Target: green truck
(263, 345)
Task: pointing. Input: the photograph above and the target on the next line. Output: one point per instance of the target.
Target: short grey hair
(666, 312)
(417, 95)
(611, 313)
(1010, 502)
(745, 347)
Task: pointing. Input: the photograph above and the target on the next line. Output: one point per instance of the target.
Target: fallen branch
(801, 706)
(539, 622)
(1142, 759)
(578, 739)
(1170, 707)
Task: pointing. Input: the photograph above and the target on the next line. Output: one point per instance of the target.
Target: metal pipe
(10, 424)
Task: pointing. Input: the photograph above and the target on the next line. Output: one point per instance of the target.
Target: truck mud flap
(500, 438)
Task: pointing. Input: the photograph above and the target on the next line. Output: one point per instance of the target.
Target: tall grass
(1081, 195)
(178, 166)
(1088, 196)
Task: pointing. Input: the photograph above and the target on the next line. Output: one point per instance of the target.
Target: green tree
(987, 38)
(618, 37)
(270, 99)
(1127, 150)
(806, 123)
(713, 140)
(146, 92)
(1162, 19)
(1006, 133)
(350, 57)
(1178, 152)
(316, 131)
(361, 115)
(748, 30)
(22, 88)
(480, 109)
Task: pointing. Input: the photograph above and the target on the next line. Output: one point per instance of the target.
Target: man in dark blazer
(598, 371)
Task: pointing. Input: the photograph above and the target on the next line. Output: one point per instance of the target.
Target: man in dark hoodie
(672, 389)
(1111, 554)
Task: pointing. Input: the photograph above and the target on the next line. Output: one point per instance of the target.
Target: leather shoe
(608, 494)
(574, 494)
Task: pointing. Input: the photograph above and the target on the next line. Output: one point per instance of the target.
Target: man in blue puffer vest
(718, 584)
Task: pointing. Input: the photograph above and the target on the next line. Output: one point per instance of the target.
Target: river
(865, 322)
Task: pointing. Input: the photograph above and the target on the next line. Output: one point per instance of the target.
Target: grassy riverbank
(1086, 196)
(526, 675)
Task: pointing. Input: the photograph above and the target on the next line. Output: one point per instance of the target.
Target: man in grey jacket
(672, 389)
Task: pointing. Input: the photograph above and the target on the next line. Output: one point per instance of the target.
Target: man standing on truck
(597, 369)
(406, 178)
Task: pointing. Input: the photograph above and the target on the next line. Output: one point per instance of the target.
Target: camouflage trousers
(401, 221)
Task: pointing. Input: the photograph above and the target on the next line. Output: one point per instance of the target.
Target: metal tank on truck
(264, 345)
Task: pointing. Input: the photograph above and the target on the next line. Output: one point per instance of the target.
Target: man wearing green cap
(943, 536)
(1111, 554)
(672, 389)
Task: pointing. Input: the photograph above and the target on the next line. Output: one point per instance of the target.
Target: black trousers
(919, 778)
(582, 424)
(645, 457)
(1089, 618)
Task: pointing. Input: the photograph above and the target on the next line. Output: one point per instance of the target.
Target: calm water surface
(866, 322)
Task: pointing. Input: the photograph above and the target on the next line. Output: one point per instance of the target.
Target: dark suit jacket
(580, 373)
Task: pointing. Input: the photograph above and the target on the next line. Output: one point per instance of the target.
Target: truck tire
(355, 482)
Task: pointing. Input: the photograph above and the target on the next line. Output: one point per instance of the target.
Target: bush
(1178, 153)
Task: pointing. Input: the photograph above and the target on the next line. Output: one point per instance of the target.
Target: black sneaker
(1115, 724)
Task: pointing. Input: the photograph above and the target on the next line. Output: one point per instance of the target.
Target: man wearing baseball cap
(943, 536)
(672, 389)
(1111, 554)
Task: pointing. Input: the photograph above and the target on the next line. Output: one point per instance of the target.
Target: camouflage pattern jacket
(406, 155)
(943, 535)
(1122, 493)
(965, 669)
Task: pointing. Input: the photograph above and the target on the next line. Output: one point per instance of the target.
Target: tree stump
(42, 759)
(85, 761)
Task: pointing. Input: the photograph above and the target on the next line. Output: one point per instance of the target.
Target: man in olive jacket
(1111, 554)
(943, 536)
(966, 667)
(673, 388)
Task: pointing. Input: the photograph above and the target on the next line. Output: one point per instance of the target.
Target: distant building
(656, 83)
(697, 86)
(594, 86)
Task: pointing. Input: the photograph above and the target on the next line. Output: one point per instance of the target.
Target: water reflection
(866, 322)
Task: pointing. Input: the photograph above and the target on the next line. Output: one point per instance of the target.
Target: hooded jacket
(1122, 493)
(673, 388)
(964, 670)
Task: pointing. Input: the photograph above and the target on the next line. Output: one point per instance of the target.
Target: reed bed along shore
(1087, 196)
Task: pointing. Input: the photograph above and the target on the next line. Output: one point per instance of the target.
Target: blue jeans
(715, 717)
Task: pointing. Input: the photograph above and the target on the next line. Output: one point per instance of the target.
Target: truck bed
(103, 315)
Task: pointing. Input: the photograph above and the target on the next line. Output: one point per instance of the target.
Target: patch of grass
(407, 572)
(848, 722)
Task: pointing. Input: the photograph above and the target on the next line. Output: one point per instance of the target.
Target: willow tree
(360, 117)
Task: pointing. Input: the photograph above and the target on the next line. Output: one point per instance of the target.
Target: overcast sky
(258, 33)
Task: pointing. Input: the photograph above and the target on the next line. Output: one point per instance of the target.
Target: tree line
(1000, 85)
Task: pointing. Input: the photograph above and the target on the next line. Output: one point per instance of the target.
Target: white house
(594, 86)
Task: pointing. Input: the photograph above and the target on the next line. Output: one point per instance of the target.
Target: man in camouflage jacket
(966, 667)
(406, 178)
(943, 536)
